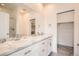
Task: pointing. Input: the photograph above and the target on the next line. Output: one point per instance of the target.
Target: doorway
(33, 31)
(65, 33)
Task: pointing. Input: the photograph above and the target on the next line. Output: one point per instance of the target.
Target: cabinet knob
(50, 43)
(7, 33)
(77, 44)
(43, 50)
(27, 52)
(43, 43)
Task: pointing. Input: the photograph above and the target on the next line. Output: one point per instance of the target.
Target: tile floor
(63, 51)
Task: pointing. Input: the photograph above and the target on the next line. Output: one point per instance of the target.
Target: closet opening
(65, 33)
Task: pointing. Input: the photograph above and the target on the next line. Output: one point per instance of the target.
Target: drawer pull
(43, 43)
(50, 43)
(77, 44)
(27, 52)
(43, 50)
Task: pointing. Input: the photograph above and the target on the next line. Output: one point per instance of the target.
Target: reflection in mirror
(7, 23)
(32, 26)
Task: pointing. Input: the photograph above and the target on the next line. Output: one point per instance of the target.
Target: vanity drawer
(22, 52)
(45, 47)
(29, 51)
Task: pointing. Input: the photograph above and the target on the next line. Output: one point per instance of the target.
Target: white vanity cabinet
(28, 51)
(45, 47)
(41, 48)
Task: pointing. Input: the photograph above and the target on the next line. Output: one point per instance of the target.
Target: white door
(4, 25)
(65, 34)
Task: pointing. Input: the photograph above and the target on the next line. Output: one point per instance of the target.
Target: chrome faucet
(2, 40)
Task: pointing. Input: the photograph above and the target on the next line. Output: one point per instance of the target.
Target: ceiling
(34, 6)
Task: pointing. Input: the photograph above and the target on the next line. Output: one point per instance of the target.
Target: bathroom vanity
(27, 46)
(23, 45)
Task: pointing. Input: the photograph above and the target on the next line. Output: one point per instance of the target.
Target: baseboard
(63, 45)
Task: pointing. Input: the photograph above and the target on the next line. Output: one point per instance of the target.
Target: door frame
(66, 22)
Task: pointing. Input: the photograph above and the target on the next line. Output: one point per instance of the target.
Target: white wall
(76, 32)
(51, 24)
(65, 17)
(21, 23)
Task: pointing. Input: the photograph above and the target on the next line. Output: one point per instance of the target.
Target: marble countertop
(10, 47)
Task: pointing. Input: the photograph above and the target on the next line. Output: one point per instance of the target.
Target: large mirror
(7, 22)
(14, 22)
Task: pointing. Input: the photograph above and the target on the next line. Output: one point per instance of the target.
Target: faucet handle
(2, 40)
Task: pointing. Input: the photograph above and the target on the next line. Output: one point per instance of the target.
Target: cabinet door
(45, 47)
(48, 46)
(34, 50)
